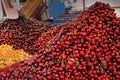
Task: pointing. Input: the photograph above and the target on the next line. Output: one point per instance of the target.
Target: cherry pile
(21, 33)
(85, 49)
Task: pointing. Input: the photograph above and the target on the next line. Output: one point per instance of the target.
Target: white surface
(12, 14)
(111, 2)
(76, 6)
(117, 11)
(16, 4)
(1, 11)
(5, 5)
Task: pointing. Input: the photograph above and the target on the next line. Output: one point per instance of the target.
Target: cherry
(86, 48)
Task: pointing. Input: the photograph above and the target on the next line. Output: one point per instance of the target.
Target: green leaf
(101, 68)
(72, 59)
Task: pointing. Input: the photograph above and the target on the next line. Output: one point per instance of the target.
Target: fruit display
(87, 48)
(9, 56)
(21, 33)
